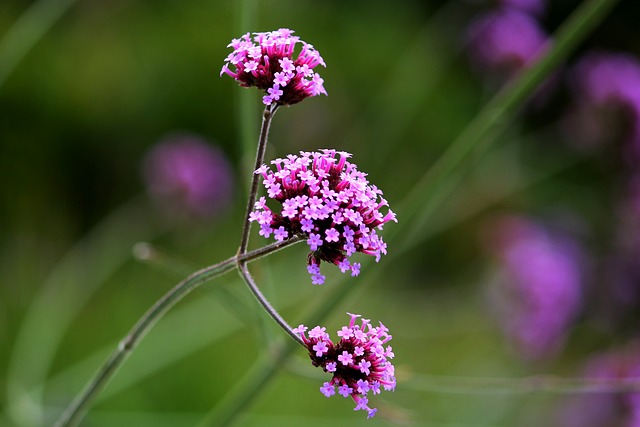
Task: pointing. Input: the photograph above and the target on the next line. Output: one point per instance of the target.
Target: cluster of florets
(267, 63)
(359, 362)
(328, 201)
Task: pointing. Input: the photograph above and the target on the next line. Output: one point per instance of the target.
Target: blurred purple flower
(605, 77)
(505, 41)
(539, 293)
(188, 175)
(607, 409)
(606, 85)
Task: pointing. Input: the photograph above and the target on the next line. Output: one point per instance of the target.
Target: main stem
(244, 271)
(267, 115)
(74, 413)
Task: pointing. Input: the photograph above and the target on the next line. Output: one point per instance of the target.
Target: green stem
(267, 115)
(244, 272)
(74, 413)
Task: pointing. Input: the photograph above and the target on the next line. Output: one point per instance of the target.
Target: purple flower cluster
(605, 77)
(608, 81)
(607, 409)
(267, 63)
(327, 200)
(188, 175)
(359, 362)
(541, 289)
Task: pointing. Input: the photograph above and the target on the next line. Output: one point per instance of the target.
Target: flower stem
(79, 406)
(244, 272)
(267, 115)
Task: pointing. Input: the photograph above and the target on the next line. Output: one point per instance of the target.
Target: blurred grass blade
(74, 280)
(496, 115)
(26, 31)
(413, 76)
(483, 130)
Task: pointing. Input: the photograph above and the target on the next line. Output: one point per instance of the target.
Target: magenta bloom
(606, 82)
(186, 174)
(540, 292)
(267, 63)
(505, 40)
(607, 409)
(603, 78)
(328, 201)
(359, 362)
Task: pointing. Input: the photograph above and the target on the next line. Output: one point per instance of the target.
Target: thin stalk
(244, 272)
(267, 115)
(74, 413)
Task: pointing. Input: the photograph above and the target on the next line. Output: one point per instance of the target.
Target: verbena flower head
(540, 290)
(266, 61)
(186, 174)
(359, 362)
(324, 198)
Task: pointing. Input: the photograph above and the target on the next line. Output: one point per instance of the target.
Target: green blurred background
(108, 80)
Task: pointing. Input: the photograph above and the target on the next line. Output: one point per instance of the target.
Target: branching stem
(78, 407)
